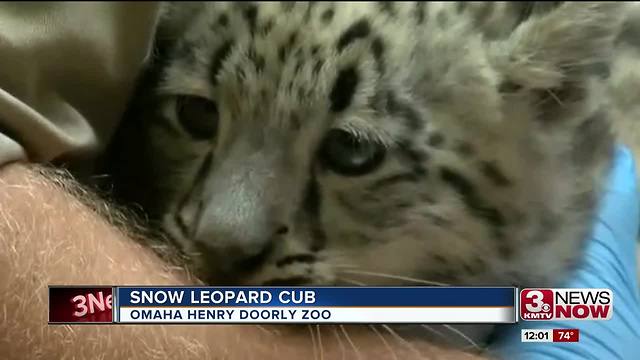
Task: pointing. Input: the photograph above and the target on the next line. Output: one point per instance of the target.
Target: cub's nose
(245, 206)
(235, 246)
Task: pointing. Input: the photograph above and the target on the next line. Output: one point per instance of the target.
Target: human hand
(610, 261)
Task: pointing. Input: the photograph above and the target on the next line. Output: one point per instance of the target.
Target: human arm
(52, 232)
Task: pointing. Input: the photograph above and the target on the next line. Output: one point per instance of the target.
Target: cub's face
(348, 143)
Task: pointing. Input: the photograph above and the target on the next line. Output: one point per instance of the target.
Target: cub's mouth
(301, 269)
(306, 269)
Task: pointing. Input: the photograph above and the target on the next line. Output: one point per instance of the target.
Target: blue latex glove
(609, 262)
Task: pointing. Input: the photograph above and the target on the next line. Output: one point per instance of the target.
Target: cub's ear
(556, 49)
(176, 16)
(174, 19)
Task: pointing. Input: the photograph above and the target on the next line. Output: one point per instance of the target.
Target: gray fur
(494, 121)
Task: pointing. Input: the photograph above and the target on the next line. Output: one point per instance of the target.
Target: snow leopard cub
(373, 143)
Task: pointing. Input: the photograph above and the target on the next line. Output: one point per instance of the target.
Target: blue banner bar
(316, 296)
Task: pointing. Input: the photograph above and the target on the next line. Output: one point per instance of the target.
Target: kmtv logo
(566, 304)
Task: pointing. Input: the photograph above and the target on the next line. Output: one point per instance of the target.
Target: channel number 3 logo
(537, 305)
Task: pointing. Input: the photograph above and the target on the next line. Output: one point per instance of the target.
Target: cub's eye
(198, 116)
(347, 155)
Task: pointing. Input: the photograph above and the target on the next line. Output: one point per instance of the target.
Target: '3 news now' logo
(566, 304)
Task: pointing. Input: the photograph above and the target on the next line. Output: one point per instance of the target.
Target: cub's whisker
(320, 342)
(463, 335)
(345, 266)
(353, 346)
(384, 341)
(313, 341)
(353, 282)
(340, 343)
(434, 331)
(271, 332)
(402, 340)
(395, 277)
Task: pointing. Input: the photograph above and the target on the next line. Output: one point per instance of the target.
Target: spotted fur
(491, 119)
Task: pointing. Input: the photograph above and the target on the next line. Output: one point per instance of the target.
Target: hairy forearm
(48, 236)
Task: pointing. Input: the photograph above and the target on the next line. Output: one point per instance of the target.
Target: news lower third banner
(273, 305)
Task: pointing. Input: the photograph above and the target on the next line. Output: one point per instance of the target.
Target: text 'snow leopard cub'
(375, 143)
